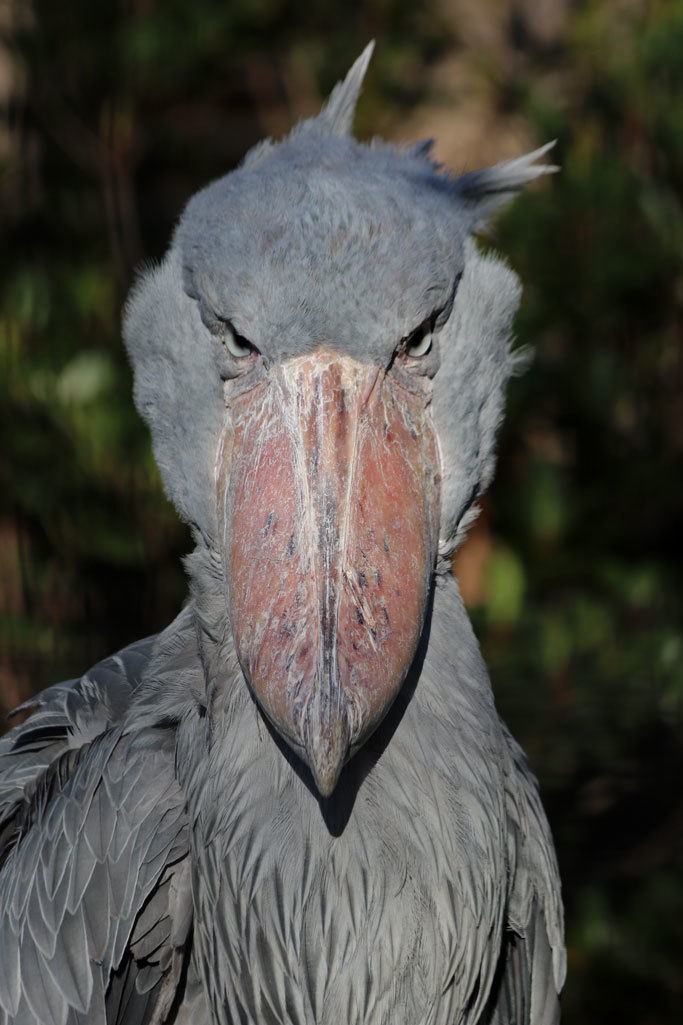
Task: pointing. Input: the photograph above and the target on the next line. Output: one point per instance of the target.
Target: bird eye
(236, 345)
(420, 343)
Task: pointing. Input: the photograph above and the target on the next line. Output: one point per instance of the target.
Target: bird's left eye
(420, 343)
(236, 345)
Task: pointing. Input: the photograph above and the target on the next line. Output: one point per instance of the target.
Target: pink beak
(328, 492)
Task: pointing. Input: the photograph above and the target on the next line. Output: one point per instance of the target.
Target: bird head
(321, 358)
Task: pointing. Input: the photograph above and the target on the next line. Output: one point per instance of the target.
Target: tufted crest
(340, 108)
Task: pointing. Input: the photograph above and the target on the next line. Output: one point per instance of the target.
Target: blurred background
(114, 113)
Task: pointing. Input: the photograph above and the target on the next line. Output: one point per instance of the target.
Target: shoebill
(297, 804)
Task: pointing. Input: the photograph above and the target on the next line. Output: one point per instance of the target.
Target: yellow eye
(236, 345)
(419, 344)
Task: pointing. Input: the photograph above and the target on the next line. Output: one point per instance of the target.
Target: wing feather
(531, 968)
(65, 717)
(91, 921)
(94, 905)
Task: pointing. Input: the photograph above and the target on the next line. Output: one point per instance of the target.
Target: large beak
(328, 491)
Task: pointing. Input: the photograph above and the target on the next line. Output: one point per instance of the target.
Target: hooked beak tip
(327, 747)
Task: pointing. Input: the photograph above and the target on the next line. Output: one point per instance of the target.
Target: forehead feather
(323, 240)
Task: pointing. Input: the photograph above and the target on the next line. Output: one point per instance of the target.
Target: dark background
(113, 114)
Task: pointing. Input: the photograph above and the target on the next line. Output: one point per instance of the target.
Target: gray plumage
(164, 853)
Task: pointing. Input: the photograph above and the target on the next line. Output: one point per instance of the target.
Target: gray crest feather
(491, 187)
(341, 106)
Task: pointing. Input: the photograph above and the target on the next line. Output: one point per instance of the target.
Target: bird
(297, 804)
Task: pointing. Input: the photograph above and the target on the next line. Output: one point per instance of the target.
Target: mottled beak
(328, 493)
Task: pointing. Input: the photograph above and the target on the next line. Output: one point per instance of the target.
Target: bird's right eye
(238, 346)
